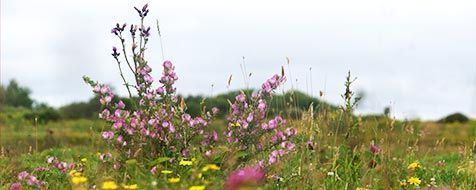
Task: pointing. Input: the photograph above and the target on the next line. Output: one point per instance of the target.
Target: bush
(43, 114)
(453, 118)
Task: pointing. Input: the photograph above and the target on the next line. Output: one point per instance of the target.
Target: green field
(445, 152)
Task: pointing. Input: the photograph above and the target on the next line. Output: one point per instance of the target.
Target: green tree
(2, 94)
(17, 96)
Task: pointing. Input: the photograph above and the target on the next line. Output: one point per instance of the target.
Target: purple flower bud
(215, 110)
(145, 32)
(272, 159)
(139, 11)
(186, 117)
(214, 136)
(168, 65)
(120, 105)
(105, 100)
(374, 148)
(290, 132)
(288, 145)
(32, 181)
(114, 52)
(23, 175)
(144, 8)
(148, 79)
(16, 186)
(153, 170)
(133, 30)
(310, 145)
(97, 88)
(107, 135)
(105, 114)
(185, 152)
(160, 91)
(250, 117)
(114, 31)
(50, 160)
(240, 98)
(172, 128)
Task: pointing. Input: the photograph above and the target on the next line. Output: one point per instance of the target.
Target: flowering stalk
(159, 124)
(249, 129)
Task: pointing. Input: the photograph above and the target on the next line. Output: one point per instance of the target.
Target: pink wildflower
(245, 177)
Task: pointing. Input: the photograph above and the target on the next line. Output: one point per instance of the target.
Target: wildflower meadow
(264, 138)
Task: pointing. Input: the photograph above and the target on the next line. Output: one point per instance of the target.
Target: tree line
(16, 97)
(290, 104)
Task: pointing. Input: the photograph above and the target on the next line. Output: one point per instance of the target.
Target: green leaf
(241, 154)
(160, 160)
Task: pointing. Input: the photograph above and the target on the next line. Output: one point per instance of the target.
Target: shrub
(42, 114)
(455, 117)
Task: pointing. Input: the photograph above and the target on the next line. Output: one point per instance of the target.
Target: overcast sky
(417, 56)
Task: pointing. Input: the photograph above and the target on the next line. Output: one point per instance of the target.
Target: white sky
(416, 55)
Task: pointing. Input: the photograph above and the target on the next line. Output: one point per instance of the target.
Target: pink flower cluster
(29, 179)
(168, 78)
(249, 129)
(250, 177)
(105, 93)
(158, 121)
(25, 178)
(271, 84)
(62, 166)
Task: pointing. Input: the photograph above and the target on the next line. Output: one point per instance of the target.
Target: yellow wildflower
(414, 181)
(71, 173)
(197, 187)
(133, 186)
(210, 167)
(84, 160)
(174, 180)
(414, 166)
(185, 162)
(109, 185)
(78, 180)
(166, 171)
(74, 173)
(200, 175)
(236, 124)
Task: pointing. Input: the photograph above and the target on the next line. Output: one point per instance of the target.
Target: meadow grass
(444, 151)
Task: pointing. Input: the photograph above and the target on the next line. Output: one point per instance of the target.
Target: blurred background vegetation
(17, 105)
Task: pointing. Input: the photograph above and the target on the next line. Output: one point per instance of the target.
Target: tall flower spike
(157, 118)
(143, 12)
